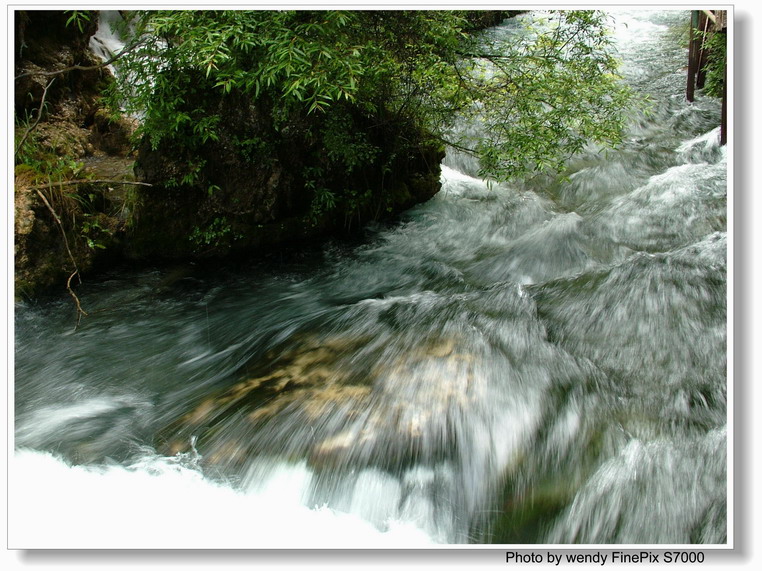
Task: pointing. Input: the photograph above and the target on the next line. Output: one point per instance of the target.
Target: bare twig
(60, 225)
(37, 121)
(80, 311)
(87, 181)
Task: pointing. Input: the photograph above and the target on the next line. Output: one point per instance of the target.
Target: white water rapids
(538, 363)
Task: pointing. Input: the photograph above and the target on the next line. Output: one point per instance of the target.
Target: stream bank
(248, 202)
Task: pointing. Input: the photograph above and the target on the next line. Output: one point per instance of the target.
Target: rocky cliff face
(60, 118)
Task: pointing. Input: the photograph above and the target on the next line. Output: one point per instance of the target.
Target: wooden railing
(704, 23)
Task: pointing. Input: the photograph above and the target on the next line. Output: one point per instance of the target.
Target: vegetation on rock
(266, 123)
(63, 216)
(261, 127)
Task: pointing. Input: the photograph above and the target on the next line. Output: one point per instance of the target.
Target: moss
(24, 171)
(525, 520)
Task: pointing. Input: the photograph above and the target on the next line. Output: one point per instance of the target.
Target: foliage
(550, 93)
(541, 94)
(716, 46)
(94, 232)
(324, 200)
(214, 233)
(78, 18)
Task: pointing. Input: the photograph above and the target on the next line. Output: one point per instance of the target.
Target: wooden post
(692, 57)
(703, 25)
(724, 123)
(721, 26)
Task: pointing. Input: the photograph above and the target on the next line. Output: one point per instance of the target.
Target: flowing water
(108, 40)
(542, 362)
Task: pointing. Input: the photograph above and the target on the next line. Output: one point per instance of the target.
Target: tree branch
(60, 225)
(80, 311)
(454, 145)
(87, 181)
(106, 63)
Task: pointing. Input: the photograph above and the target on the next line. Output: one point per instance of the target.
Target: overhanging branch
(87, 181)
(106, 63)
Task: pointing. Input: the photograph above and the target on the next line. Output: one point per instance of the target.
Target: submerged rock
(332, 411)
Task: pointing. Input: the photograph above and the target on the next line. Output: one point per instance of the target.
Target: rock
(72, 127)
(111, 135)
(340, 415)
(251, 195)
(252, 189)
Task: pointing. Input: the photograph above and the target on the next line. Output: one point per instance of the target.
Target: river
(542, 362)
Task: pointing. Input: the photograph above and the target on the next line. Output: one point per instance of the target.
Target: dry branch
(87, 181)
(80, 311)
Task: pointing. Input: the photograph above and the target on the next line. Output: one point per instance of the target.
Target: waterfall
(108, 39)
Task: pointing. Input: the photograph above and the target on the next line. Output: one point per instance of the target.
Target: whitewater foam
(161, 503)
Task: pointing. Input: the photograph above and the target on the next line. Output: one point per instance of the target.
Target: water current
(535, 363)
